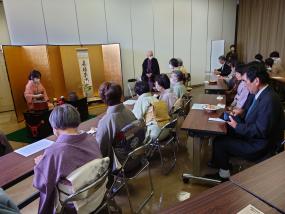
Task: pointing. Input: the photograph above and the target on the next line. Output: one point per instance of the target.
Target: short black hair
(174, 62)
(256, 71)
(240, 68)
(179, 75)
(274, 54)
(258, 57)
(269, 62)
(223, 58)
(141, 87)
(163, 81)
(35, 74)
(232, 46)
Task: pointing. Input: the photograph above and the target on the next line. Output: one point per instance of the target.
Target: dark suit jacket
(264, 126)
(225, 70)
(154, 69)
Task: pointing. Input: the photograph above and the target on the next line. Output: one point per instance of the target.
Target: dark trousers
(225, 147)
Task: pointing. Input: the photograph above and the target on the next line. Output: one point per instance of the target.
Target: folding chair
(131, 86)
(162, 145)
(122, 176)
(84, 188)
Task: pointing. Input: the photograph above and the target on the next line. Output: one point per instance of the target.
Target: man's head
(149, 54)
(232, 48)
(222, 59)
(255, 77)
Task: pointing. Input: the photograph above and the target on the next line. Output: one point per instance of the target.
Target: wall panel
(199, 40)
(229, 22)
(91, 21)
(142, 32)
(163, 32)
(25, 22)
(182, 31)
(120, 31)
(61, 21)
(215, 25)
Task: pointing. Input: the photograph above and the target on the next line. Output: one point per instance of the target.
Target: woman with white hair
(71, 151)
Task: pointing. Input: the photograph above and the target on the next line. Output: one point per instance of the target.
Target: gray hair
(64, 116)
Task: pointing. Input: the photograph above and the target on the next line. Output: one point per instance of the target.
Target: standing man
(150, 69)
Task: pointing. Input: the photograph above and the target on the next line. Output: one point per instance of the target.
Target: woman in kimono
(71, 150)
(34, 90)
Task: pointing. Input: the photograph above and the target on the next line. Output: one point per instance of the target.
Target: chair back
(85, 187)
(131, 87)
(169, 126)
(127, 140)
(82, 107)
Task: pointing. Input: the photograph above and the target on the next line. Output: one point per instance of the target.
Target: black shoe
(217, 177)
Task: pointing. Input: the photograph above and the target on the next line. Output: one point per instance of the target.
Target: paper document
(221, 105)
(216, 119)
(129, 102)
(249, 209)
(34, 147)
(198, 106)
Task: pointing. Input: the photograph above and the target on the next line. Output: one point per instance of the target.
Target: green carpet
(21, 135)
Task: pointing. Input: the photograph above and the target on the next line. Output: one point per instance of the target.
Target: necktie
(252, 106)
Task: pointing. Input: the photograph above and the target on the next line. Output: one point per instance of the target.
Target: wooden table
(219, 88)
(198, 126)
(15, 168)
(265, 180)
(277, 77)
(224, 198)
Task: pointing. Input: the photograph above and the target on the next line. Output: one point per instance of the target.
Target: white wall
(172, 28)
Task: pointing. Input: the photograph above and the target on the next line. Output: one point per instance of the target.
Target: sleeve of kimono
(104, 137)
(45, 182)
(29, 93)
(6, 204)
(45, 93)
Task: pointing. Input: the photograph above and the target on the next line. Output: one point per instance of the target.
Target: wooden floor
(168, 189)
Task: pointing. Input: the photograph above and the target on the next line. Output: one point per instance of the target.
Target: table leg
(196, 156)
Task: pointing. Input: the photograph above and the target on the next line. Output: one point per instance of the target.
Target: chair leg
(128, 193)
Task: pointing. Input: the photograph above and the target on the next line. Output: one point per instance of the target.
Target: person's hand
(237, 111)
(38, 159)
(38, 95)
(149, 75)
(232, 122)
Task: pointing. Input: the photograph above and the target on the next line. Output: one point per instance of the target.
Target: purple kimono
(59, 160)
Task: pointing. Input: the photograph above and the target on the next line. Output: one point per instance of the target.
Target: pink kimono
(33, 89)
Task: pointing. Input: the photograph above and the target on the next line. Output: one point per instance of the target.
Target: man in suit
(150, 68)
(259, 131)
(225, 70)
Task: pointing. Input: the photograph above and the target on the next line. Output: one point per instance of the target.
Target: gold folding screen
(59, 68)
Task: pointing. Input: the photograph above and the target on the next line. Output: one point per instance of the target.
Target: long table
(200, 128)
(224, 198)
(219, 88)
(15, 168)
(265, 180)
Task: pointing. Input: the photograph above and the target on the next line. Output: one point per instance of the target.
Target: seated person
(35, 91)
(116, 117)
(178, 87)
(258, 132)
(173, 64)
(187, 76)
(5, 147)
(259, 58)
(71, 150)
(162, 85)
(232, 56)
(225, 70)
(277, 65)
(142, 107)
(268, 64)
(242, 91)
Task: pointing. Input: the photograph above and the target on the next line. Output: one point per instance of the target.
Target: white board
(217, 50)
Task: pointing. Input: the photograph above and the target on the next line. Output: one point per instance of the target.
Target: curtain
(261, 28)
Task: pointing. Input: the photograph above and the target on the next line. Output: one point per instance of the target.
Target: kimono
(116, 118)
(241, 96)
(7, 206)
(179, 89)
(33, 89)
(59, 160)
(169, 97)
